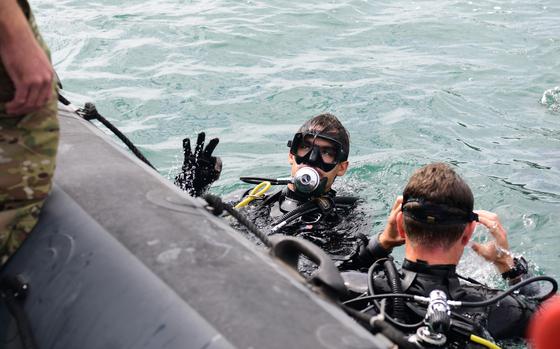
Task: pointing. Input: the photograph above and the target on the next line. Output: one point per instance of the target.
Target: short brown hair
(436, 184)
(329, 125)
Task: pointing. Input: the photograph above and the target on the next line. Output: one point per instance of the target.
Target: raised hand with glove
(200, 168)
(380, 246)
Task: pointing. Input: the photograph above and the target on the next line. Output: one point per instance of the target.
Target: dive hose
(306, 208)
(457, 304)
(374, 297)
(396, 287)
(512, 289)
(484, 342)
(378, 325)
(426, 300)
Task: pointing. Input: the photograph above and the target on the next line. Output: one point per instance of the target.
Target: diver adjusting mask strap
(425, 211)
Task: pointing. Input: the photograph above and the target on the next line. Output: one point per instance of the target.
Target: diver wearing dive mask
(306, 206)
(307, 150)
(318, 154)
(322, 144)
(311, 152)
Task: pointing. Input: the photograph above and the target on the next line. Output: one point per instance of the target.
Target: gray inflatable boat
(121, 258)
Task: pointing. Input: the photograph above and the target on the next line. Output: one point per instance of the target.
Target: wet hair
(436, 184)
(329, 125)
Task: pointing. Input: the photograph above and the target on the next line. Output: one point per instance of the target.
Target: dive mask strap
(434, 213)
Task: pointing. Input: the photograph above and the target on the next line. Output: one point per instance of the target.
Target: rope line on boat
(63, 99)
(219, 206)
(89, 112)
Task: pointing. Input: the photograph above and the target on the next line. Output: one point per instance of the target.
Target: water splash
(551, 99)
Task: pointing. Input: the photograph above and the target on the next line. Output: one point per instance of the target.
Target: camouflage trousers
(28, 145)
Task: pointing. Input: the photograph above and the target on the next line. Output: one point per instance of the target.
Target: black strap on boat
(13, 290)
(218, 206)
(89, 112)
(63, 99)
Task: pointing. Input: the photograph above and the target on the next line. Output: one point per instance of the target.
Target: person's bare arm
(496, 251)
(25, 61)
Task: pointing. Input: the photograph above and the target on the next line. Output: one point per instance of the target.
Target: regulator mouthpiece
(306, 180)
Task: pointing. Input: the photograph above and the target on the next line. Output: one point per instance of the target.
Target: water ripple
(415, 82)
(551, 99)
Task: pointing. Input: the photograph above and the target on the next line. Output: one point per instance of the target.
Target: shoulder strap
(409, 277)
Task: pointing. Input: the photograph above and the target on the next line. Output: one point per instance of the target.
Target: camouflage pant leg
(28, 147)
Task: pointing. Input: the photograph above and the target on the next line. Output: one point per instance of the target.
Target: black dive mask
(325, 157)
(433, 213)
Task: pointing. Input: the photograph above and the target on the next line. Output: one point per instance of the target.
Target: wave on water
(551, 99)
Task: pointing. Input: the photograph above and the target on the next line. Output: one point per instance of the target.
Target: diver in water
(306, 206)
(434, 219)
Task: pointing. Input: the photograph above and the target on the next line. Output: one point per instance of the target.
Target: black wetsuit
(336, 231)
(332, 227)
(506, 319)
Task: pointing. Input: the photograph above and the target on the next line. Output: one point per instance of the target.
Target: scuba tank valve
(438, 316)
(437, 320)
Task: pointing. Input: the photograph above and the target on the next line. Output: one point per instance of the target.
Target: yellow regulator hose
(483, 342)
(256, 193)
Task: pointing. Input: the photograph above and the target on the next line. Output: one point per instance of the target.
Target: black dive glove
(200, 168)
(366, 251)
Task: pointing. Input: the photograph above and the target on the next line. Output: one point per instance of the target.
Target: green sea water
(413, 81)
